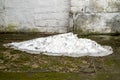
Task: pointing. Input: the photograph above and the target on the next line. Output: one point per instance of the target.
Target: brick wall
(102, 16)
(43, 15)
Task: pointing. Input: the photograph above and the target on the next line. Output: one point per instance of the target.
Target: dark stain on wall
(114, 24)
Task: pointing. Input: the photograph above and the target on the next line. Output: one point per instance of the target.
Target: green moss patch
(57, 68)
(10, 28)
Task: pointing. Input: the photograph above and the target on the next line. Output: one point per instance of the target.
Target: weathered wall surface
(81, 16)
(34, 15)
(101, 16)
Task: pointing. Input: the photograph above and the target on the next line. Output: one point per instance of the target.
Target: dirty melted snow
(67, 44)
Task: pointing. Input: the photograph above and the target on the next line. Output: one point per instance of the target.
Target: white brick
(52, 16)
(46, 23)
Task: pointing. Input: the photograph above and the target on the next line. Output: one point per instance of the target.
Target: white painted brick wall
(54, 15)
(39, 14)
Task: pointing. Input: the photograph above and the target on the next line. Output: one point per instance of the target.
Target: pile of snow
(62, 45)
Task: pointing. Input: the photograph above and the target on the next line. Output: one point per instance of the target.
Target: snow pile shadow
(62, 45)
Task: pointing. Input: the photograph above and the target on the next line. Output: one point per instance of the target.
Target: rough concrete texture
(44, 15)
(98, 22)
(102, 16)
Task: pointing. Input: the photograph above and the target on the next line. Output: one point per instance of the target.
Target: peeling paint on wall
(98, 16)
